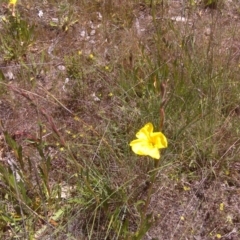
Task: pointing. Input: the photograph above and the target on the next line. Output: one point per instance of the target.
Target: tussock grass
(76, 84)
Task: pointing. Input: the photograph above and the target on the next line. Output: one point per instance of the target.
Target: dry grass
(78, 79)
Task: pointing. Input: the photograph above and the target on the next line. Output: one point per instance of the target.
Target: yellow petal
(148, 127)
(144, 133)
(138, 146)
(149, 142)
(12, 2)
(154, 153)
(159, 140)
(144, 148)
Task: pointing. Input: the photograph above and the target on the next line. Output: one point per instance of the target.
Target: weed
(14, 27)
(87, 76)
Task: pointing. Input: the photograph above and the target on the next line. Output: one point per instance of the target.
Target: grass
(78, 82)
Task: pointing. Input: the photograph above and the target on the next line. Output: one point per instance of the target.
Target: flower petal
(149, 142)
(154, 153)
(159, 140)
(145, 132)
(144, 148)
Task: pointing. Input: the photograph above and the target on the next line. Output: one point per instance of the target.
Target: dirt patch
(65, 89)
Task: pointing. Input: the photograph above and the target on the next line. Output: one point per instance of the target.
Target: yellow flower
(76, 118)
(186, 188)
(218, 236)
(221, 206)
(148, 142)
(12, 2)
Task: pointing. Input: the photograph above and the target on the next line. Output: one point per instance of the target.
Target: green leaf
(58, 214)
(17, 149)
(145, 226)
(2, 77)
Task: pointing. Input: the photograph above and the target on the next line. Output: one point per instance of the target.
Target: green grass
(75, 87)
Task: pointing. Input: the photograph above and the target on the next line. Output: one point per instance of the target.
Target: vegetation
(78, 79)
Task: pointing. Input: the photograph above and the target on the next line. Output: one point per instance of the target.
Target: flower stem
(152, 180)
(149, 194)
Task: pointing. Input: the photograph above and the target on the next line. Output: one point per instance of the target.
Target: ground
(78, 79)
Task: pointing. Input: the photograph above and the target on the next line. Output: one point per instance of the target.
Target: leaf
(17, 149)
(58, 214)
(145, 226)
(2, 77)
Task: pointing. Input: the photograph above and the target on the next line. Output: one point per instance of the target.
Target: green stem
(149, 194)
